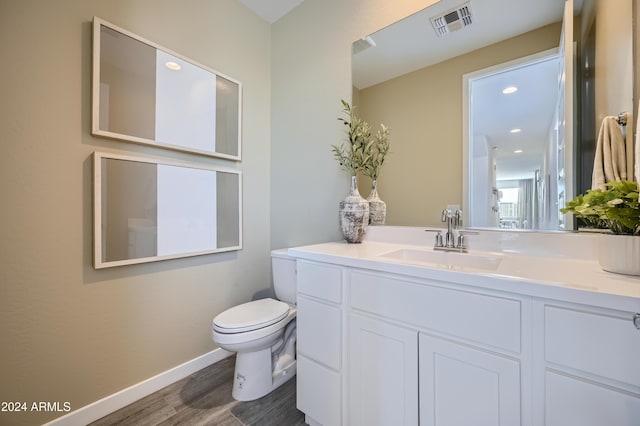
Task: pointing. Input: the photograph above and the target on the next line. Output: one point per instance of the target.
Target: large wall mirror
(147, 209)
(147, 94)
(411, 77)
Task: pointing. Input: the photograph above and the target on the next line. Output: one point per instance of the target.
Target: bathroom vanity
(525, 329)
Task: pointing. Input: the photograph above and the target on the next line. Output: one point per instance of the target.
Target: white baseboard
(96, 410)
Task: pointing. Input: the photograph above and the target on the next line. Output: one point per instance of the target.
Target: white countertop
(577, 278)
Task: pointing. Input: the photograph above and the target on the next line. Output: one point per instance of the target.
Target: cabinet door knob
(636, 321)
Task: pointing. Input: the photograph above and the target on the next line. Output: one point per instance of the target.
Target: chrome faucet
(454, 239)
(453, 221)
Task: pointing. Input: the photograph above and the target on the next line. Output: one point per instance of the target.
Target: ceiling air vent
(453, 20)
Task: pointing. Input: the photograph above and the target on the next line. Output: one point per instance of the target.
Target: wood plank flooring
(204, 398)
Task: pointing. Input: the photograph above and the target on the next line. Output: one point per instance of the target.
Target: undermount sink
(447, 260)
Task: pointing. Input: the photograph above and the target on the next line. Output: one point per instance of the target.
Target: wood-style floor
(204, 398)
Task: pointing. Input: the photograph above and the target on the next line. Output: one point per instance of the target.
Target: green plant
(362, 153)
(378, 150)
(616, 208)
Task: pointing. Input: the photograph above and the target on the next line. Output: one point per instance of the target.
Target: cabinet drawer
(489, 320)
(320, 280)
(571, 401)
(319, 332)
(604, 344)
(319, 392)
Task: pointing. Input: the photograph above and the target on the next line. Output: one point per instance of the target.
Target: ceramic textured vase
(619, 253)
(377, 207)
(354, 215)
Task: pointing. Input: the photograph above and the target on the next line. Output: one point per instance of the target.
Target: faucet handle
(462, 239)
(446, 214)
(458, 219)
(438, 237)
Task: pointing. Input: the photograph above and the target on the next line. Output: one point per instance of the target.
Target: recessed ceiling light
(173, 65)
(517, 151)
(509, 90)
(516, 130)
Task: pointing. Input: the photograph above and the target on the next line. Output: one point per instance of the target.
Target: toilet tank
(283, 269)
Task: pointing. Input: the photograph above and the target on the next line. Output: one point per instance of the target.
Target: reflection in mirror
(146, 94)
(147, 210)
(411, 79)
(515, 162)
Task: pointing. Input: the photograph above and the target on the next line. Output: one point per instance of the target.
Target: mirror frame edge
(98, 263)
(97, 23)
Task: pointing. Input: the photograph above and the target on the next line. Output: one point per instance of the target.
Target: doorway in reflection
(514, 144)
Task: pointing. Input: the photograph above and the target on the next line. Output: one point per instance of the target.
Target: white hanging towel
(610, 162)
(637, 150)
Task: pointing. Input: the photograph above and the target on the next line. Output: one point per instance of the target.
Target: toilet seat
(250, 316)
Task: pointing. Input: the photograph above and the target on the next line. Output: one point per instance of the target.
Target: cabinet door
(461, 385)
(383, 373)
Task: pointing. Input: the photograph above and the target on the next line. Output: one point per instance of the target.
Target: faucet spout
(448, 218)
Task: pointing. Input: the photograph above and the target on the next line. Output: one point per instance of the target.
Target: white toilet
(263, 333)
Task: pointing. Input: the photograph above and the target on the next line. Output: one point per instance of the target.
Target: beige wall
(69, 332)
(614, 58)
(311, 72)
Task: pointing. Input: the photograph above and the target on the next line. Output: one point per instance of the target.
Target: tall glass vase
(354, 214)
(377, 207)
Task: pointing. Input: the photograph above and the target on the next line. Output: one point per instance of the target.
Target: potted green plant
(376, 151)
(352, 154)
(615, 213)
(352, 157)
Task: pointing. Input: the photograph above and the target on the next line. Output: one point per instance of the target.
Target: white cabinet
(319, 342)
(462, 385)
(588, 366)
(377, 348)
(432, 353)
(390, 366)
(383, 372)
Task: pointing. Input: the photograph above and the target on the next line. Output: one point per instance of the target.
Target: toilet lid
(251, 315)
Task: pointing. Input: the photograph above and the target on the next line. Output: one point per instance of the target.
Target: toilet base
(253, 377)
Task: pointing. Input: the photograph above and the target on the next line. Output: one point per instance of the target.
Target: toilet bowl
(263, 335)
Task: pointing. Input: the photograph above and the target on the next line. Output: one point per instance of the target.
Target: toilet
(263, 334)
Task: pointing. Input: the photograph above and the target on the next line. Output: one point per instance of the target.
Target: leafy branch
(362, 152)
(378, 150)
